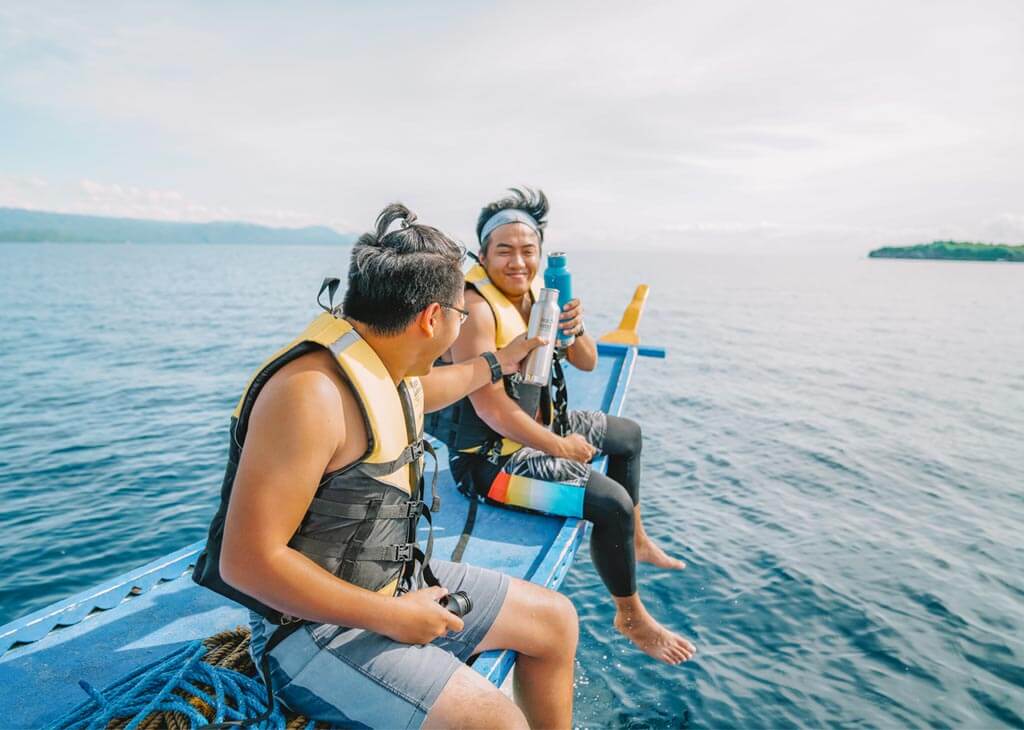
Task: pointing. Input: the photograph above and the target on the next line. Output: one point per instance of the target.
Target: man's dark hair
(534, 202)
(394, 275)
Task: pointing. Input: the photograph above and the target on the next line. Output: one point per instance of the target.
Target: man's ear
(429, 318)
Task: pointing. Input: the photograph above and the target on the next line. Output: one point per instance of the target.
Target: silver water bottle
(536, 369)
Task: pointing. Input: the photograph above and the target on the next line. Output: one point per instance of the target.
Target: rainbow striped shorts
(530, 479)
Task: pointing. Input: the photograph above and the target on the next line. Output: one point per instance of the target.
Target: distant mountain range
(956, 250)
(18, 225)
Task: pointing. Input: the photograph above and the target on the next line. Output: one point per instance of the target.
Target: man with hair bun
(317, 528)
(510, 429)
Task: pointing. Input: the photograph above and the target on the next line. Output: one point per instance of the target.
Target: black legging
(608, 503)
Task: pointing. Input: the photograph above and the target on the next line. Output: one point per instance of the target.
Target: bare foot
(648, 552)
(652, 638)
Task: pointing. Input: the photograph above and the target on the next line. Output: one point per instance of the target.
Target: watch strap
(492, 362)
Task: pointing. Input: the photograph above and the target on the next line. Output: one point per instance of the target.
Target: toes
(685, 648)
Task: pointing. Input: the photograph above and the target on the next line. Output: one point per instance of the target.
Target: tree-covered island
(955, 250)
(18, 225)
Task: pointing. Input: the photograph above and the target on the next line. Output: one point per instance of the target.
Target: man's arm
(582, 353)
(450, 383)
(491, 402)
(296, 427)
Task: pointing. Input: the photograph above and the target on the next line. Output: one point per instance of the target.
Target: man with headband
(504, 430)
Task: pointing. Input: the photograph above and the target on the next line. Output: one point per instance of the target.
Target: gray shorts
(355, 678)
(533, 463)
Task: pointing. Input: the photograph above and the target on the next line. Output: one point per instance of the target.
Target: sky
(726, 126)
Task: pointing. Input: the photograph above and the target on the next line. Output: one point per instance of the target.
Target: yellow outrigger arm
(627, 333)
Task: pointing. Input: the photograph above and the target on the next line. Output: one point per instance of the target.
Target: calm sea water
(834, 445)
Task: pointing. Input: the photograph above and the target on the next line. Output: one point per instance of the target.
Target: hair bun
(396, 212)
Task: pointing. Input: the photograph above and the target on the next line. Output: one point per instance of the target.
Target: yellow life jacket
(361, 523)
(371, 383)
(508, 320)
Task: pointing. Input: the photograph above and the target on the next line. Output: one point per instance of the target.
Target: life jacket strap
(435, 498)
(400, 553)
(409, 454)
(560, 403)
(404, 511)
(287, 627)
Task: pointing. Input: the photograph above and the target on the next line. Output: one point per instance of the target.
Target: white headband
(510, 215)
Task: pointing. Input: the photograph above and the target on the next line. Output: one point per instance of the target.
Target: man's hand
(582, 353)
(419, 618)
(516, 351)
(577, 448)
(572, 317)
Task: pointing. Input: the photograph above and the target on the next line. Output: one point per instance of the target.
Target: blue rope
(150, 689)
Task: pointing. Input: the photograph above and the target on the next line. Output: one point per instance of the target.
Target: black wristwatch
(492, 362)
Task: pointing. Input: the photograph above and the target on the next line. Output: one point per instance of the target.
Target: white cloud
(90, 197)
(839, 122)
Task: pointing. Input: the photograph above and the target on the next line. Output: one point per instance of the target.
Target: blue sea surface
(834, 445)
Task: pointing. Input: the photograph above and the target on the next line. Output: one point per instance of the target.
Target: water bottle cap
(556, 259)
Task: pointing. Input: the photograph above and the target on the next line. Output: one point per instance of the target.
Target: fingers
(571, 325)
(571, 310)
(521, 341)
(453, 622)
(436, 593)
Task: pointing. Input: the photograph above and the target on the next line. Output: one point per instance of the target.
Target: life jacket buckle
(285, 620)
(413, 508)
(403, 553)
(418, 449)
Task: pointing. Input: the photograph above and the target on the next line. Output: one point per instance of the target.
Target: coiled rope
(202, 683)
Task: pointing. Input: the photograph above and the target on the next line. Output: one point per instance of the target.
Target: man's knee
(624, 437)
(608, 505)
(634, 437)
(557, 615)
(550, 619)
(469, 700)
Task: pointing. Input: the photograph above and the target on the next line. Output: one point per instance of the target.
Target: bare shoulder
(310, 380)
(473, 297)
(481, 319)
(304, 396)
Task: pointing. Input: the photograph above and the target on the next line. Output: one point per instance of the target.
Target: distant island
(952, 250)
(30, 226)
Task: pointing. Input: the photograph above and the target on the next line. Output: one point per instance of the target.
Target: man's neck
(391, 350)
(523, 303)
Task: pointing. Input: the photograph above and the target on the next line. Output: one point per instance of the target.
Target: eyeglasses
(463, 314)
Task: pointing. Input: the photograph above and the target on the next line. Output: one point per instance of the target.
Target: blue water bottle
(557, 276)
